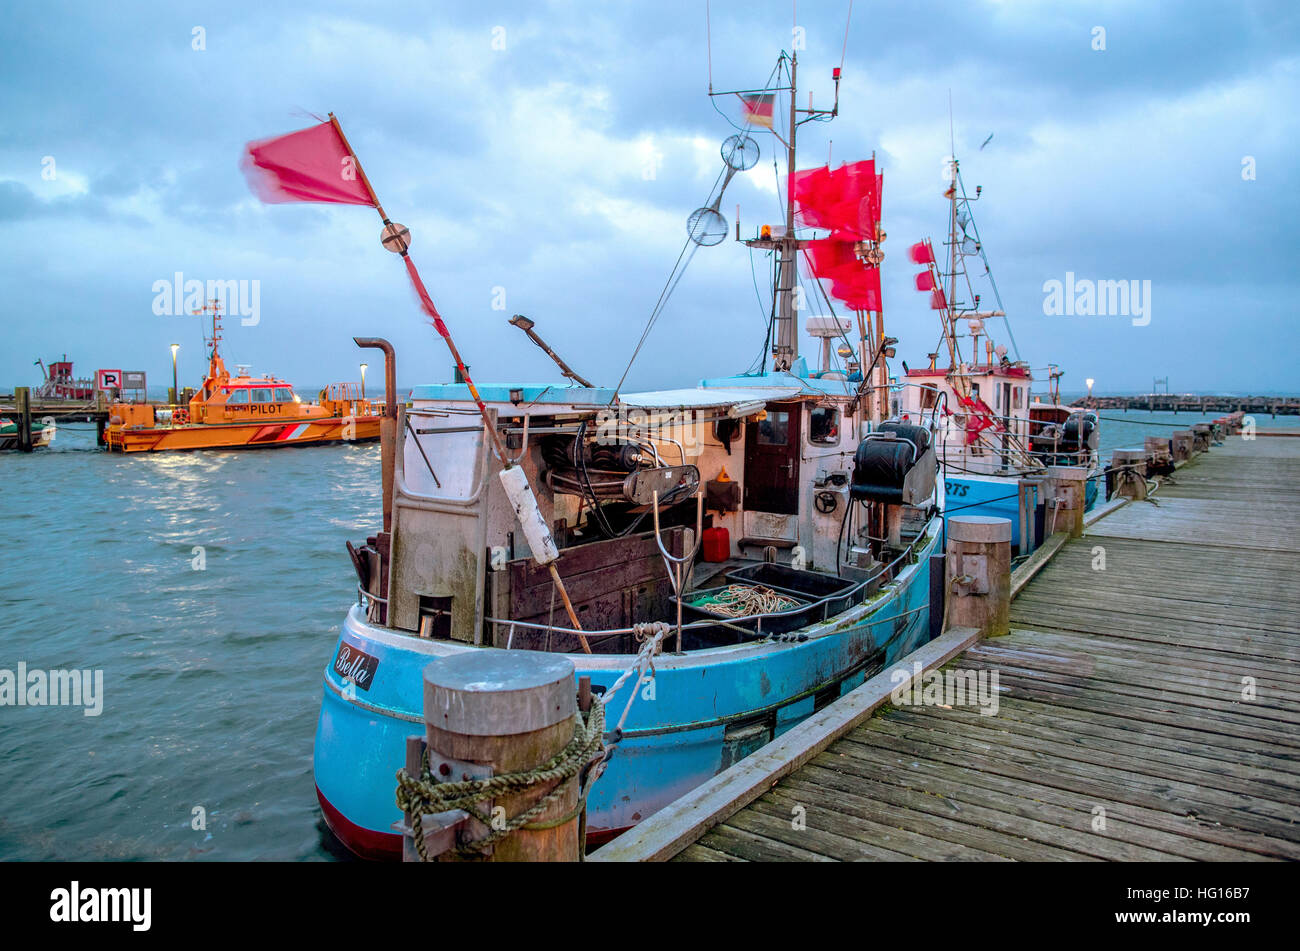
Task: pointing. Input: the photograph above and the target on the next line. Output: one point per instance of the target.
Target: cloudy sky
(548, 153)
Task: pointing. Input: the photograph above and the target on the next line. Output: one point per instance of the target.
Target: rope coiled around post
(418, 797)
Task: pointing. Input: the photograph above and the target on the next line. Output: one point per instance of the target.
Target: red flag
(863, 292)
(877, 199)
(921, 254)
(925, 281)
(852, 281)
(310, 165)
(845, 200)
(758, 108)
(937, 301)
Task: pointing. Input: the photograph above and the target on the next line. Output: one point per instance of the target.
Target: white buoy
(536, 532)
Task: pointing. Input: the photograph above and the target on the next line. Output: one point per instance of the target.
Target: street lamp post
(1089, 381)
(363, 379)
(176, 393)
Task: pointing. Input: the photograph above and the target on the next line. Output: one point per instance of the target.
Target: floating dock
(1147, 710)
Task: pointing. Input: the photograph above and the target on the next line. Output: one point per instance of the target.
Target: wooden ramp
(1148, 709)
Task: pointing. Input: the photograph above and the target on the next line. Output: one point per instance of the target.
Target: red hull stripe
(365, 843)
(387, 846)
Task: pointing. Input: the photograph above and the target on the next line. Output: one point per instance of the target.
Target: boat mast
(784, 326)
(786, 349)
(960, 383)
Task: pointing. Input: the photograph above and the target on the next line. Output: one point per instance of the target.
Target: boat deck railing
(855, 595)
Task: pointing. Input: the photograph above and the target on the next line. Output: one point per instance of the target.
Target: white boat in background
(995, 431)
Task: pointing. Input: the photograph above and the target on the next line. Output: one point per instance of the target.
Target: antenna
(952, 137)
(213, 307)
(708, 39)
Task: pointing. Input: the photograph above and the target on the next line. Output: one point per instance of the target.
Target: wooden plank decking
(1125, 697)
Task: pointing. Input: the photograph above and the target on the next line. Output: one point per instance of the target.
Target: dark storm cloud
(523, 168)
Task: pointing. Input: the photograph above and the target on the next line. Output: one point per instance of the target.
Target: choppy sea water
(212, 677)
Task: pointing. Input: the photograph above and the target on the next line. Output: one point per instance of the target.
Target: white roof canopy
(737, 401)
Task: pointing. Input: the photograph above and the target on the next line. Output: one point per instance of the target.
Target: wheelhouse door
(772, 460)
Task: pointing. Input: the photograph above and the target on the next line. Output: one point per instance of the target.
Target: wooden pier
(29, 411)
(1148, 709)
(1193, 403)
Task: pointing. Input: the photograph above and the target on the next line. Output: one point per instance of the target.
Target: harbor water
(208, 587)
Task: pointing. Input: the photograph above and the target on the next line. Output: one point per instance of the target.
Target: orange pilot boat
(242, 412)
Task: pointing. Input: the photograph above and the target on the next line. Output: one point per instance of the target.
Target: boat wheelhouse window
(929, 396)
(237, 397)
(1017, 397)
(263, 394)
(283, 394)
(774, 431)
(725, 431)
(824, 426)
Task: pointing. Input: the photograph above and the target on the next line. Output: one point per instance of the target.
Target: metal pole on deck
(23, 406)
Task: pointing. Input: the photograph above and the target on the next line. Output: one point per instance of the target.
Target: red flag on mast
(921, 253)
(317, 165)
(845, 200)
(852, 280)
(312, 164)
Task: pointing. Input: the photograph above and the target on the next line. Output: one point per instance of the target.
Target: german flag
(758, 108)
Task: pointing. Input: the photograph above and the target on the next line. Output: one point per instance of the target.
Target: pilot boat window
(283, 394)
(824, 426)
(237, 397)
(774, 431)
(263, 395)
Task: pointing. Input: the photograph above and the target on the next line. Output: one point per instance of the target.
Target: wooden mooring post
(1029, 495)
(1130, 468)
(23, 408)
(1066, 488)
(979, 573)
(490, 712)
(1182, 442)
(1158, 450)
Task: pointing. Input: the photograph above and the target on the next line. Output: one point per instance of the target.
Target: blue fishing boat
(720, 560)
(995, 434)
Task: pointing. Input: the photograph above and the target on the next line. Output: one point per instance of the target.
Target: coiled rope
(741, 600)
